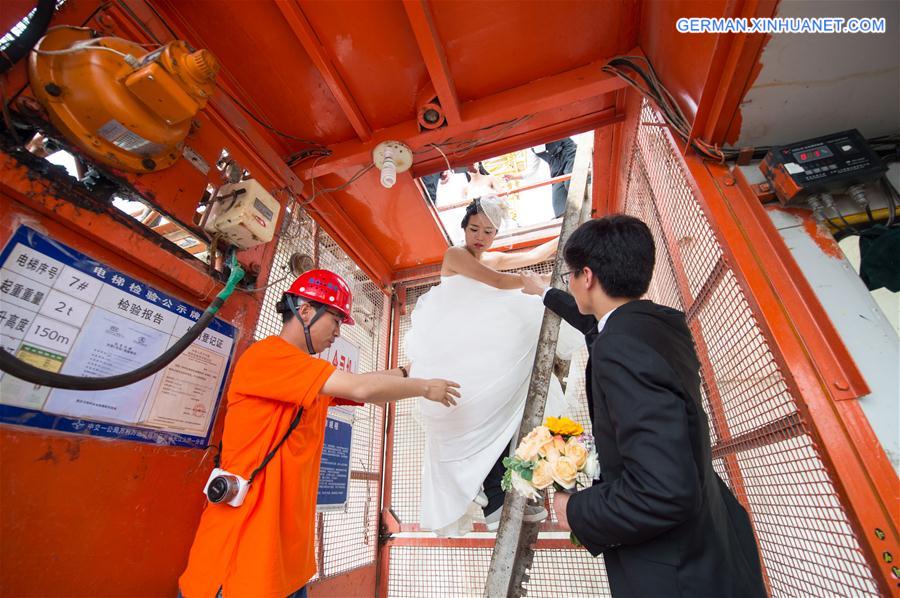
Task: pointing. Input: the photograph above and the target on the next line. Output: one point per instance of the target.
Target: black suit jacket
(665, 522)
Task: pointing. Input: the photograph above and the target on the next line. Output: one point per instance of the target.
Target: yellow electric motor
(124, 106)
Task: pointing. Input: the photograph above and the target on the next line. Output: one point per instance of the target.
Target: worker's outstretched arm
(384, 388)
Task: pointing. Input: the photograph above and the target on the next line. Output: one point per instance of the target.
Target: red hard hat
(327, 288)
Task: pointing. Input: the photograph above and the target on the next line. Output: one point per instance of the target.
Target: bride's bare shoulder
(452, 257)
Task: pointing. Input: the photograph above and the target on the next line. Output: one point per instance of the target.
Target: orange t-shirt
(265, 547)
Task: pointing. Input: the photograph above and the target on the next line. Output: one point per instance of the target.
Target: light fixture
(391, 157)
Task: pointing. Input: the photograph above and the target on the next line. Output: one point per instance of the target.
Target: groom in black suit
(664, 521)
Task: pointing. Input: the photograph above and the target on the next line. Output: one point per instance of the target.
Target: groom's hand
(533, 283)
(560, 500)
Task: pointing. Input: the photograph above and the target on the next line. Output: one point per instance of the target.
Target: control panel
(831, 163)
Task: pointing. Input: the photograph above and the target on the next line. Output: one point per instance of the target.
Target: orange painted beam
(429, 42)
(734, 66)
(430, 161)
(532, 98)
(303, 30)
(106, 226)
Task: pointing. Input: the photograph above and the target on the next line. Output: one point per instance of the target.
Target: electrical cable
(840, 214)
(892, 196)
(438, 148)
(359, 173)
(652, 88)
(270, 285)
(91, 44)
(266, 125)
(37, 25)
(25, 371)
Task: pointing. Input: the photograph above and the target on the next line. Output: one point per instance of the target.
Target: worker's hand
(441, 391)
(533, 283)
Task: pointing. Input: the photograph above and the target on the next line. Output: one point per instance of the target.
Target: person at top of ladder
(664, 521)
(280, 394)
(483, 332)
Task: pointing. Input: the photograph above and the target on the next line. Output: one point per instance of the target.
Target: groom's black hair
(619, 250)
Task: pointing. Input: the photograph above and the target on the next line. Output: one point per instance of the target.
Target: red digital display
(813, 154)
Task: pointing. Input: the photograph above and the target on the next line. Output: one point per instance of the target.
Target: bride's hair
(471, 209)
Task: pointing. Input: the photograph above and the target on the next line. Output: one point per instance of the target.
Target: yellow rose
(531, 444)
(563, 426)
(576, 452)
(542, 476)
(564, 472)
(549, 451)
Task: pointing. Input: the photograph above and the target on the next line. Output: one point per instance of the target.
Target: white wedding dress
(485, 339)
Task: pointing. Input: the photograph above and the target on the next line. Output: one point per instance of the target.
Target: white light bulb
(388, 169)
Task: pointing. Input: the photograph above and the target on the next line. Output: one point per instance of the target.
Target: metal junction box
(244, 214)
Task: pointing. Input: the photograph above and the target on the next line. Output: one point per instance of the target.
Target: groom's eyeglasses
(565, 276)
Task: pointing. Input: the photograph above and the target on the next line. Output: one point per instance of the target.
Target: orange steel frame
(818, 368)
(59, 485)
(45, 481)
(806, 345)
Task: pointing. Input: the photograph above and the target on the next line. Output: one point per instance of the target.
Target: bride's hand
(441, 391)
(533, 283)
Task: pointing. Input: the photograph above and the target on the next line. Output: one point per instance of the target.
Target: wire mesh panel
(416, 572)
(347, 539)
(458, 569)
(762, 446)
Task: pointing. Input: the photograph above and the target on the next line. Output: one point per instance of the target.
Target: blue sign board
(63, 311)
(334, 473)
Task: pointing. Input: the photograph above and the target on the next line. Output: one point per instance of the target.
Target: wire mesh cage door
(764, 446)
(345, 540)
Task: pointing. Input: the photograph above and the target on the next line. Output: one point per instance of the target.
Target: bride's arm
(460, 261)
(523, 259)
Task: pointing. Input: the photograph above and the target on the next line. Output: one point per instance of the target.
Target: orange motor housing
(121, 105)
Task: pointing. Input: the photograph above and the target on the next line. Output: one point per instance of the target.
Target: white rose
(592, 466)
(524, 487)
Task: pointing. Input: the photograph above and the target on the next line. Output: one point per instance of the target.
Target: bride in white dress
(479, 329)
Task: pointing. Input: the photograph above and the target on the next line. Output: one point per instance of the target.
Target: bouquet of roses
(553, 453)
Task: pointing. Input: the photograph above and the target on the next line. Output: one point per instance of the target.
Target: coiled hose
(20, 369)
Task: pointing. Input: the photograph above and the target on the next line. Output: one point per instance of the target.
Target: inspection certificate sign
(63, 311)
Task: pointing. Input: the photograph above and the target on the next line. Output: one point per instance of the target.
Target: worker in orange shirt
(274, 434)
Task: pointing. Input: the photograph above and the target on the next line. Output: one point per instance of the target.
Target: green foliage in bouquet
(523, 468)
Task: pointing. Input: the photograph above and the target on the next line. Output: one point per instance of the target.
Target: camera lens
(221, 489)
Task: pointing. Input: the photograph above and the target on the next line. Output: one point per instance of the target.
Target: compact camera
(226, 487)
